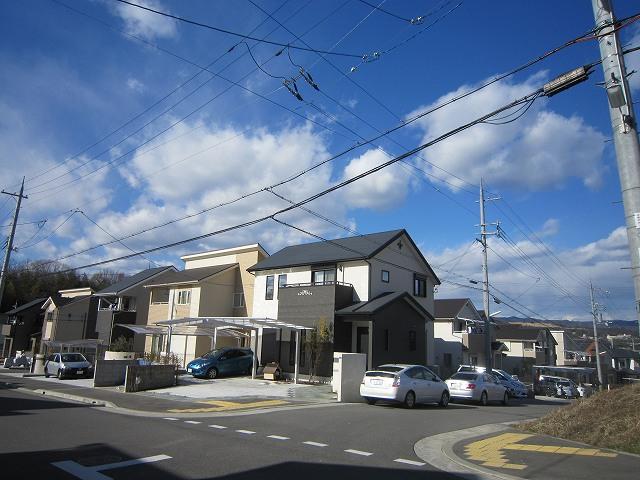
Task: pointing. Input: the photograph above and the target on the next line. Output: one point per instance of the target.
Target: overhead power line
(236, 34)
(326, 191)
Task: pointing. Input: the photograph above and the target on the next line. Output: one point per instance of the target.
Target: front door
(362, 340)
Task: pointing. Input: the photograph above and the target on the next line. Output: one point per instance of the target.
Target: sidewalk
(500, 451)
(190, 398)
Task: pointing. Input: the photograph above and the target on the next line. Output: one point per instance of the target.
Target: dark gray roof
(360, 247)
(516, 332)
(375, 304)
(191, 275)
(623, 353)
(37, 302)
(131, 281)
(449, 307)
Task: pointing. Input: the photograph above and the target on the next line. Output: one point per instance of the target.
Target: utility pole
(625, 133)
(488, 357)
(594, 313)
(9, 247)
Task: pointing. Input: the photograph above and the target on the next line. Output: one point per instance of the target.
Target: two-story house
(22, 327)
(70, 315)
(213, 284)
(527, 346)
(459, 336)
(126, 303)
(376, 292)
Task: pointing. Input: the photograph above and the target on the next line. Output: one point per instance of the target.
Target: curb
(437, 450)
(76, 398)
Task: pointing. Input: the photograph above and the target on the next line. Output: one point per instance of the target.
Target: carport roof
(190, 330)
(80, 343)
(242, 322)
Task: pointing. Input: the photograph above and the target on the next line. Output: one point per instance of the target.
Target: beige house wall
(216, 295)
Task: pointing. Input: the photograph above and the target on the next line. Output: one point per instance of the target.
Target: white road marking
(171, 418)
(219, 427)
(277, 437)
(193, 422)
(410, 462)
(316, 444)
(93, 473)
(359, 452)
(246, 432)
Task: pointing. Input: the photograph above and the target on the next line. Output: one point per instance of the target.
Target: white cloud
(540, 150)
(382, 190)
(143, 23)
(135, 85)
(517, 281)
(632, 62)
(549, 228)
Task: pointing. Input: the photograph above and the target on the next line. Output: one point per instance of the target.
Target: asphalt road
(49, 438)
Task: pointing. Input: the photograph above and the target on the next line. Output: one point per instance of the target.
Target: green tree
(316, 342)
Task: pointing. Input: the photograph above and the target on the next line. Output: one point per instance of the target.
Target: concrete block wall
(109, 373)
(148, 377)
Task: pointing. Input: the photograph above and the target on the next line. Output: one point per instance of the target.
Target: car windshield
(73, 357)
(389, 368)
(502, 375)
(464, 376)
(212, 353)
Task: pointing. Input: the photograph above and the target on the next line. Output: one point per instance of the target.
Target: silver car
(477, 386)
(72, 365)
(407, 384)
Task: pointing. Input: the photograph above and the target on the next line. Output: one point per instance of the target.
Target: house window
(160, 295)
(268, 295)
(385, 276)
(282, 280)
(129, 304)
(49, 316)
(323, 277)
(419, 286)
(412, 340)
(238, 300)
(386, 340)
(184, 297)
(528, 345)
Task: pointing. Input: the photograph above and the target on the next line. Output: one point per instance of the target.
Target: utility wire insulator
(417, 20)
(293, 89)
(307, 76)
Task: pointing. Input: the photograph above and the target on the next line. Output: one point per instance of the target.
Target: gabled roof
(623, 353)
(192, 275)
(361, 247)
(60, 301)
(32, 303)
(377, 303)
(132, 281)
(449, 307)
(518, 333)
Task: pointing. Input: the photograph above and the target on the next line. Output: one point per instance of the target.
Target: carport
(223, 326)
(83, 344)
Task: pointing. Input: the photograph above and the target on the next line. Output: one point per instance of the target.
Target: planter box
(108, 355)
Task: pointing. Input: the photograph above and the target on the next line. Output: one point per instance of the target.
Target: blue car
(222, 361)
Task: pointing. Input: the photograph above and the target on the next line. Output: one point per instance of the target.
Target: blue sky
(70, 76)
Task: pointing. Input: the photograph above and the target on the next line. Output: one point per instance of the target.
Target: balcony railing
(316, 284)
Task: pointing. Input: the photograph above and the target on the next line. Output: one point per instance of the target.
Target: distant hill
(611, 327)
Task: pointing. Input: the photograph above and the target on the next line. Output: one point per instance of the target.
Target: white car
(407, 384)
(71, 365)
(515, 388)
(477, 386)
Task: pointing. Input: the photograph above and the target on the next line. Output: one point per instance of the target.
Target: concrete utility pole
(625, 133)
(488, 357)
(594, 313)
(9, 247)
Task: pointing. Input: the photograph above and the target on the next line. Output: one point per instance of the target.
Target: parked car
(407, 384)
(71, 365)
(222, 361)
(477, 386)
(553, 386)
(515, 388)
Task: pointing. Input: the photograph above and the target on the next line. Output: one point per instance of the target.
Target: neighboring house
(21, 328)
(376, 291)
(527, 346)
(70, 315)
(126, 302)
(213, 284)
(625, 360)
(459, 336)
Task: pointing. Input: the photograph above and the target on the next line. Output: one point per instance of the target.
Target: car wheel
(212, 373)
(46, 373)
(505, 399)
(444, 400)
(410, 399)
(370, 401)
(484, 399)
(59, 374)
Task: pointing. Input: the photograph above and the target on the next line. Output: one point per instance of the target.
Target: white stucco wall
(357, 274)
(269, 308)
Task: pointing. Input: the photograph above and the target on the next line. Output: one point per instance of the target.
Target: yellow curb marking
(223, 406)
(491, 451)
